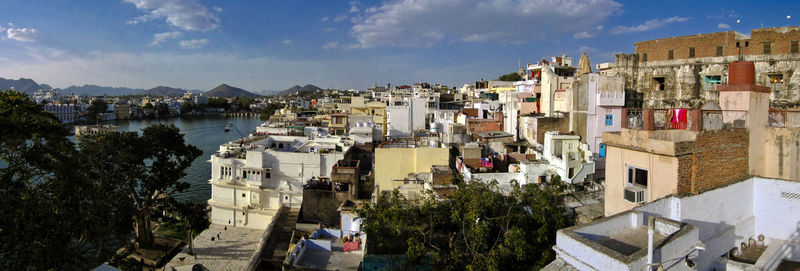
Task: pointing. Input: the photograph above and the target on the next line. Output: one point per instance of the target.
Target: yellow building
(338, 124)
(375, 109)
(393, 165)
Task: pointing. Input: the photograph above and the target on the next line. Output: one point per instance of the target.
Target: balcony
(694, 120)
(784, 118)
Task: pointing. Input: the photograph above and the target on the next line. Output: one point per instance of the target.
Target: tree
(514, 76)
(196, 219)
(476, 228)
(214, 102)
(95, 110)
(54, 215)
(162, 110)
(269, 110)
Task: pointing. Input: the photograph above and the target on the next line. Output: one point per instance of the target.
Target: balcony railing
(634, 119)
(784, 118)
(684, 119)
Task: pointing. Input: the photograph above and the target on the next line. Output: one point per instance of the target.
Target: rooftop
(233, 250)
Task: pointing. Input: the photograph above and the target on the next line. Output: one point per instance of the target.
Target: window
(602, 152)
(776, 79)
(609, 120)
(793, 48)
(671, 54)
(243, 195)
(644, 57)
(711, 81)
(637, 176)
(659, 83)
(767, 48)
(719, 50)
(267, 175)
(691, 52)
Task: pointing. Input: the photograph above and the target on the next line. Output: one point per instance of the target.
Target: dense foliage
(65, 207)
(477, 228)
(511, 77)
(95, 110)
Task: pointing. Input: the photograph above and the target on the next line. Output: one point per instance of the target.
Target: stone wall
(684, 77)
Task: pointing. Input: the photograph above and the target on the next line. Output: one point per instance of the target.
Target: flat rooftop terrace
(233, 249)
(628, 241)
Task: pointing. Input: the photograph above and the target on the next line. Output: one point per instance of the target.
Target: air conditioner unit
(635, 194)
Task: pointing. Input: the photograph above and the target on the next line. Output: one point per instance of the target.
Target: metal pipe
(651, 221)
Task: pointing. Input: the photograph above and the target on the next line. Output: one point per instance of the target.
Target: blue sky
(272, 45)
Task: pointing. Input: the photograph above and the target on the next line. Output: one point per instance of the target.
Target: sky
(273, 45)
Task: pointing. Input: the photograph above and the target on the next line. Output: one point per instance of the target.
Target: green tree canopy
(269, 110)
(54, 215)
(477, 228)
(148, 168)
(514, 76)
(95, 110)
(70, 208)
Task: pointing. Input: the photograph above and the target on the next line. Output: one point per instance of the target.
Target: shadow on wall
(789, 251)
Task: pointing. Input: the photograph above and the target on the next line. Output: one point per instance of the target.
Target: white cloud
(217, 9)
(22, 34)
(354, 6)
(424, 22)
(286, 41)
(193, 43)
(1, 28)
(159, 38)
(723, 26)
(648, 25)
(325, 19)
(340, 17)
(331, 45)
(184, 14)
(583, 35)
(329, 29)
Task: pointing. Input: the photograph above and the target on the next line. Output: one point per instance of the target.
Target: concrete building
(684, 71)
(66, 113)
(652, 158)
(597, 108)
(251, 179)
(338, 124)
(405, 116)
(394, 163)
(568, 157)
(748, 225)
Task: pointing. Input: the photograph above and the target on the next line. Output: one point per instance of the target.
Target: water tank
(434, 127)
(741, 73)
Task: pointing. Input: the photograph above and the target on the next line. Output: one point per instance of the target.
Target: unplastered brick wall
(546, 124)
(718, 158)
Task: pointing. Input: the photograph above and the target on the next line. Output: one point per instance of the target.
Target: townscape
(680, 155)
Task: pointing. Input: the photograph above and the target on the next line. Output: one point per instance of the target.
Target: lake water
(206, 133)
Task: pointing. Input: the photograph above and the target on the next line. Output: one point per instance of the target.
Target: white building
(249, 181)
(66, 113)
(568, 157)
(601, 108)
(750, 225)
(405, 116)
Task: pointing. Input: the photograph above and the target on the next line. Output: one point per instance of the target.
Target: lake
(206, 133)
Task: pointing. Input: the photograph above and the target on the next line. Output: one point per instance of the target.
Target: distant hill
(21, 85)
(296, 88)
(94, 90)
(164, 91)
(229, 91)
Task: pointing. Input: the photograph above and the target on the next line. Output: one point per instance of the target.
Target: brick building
(684, 71)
